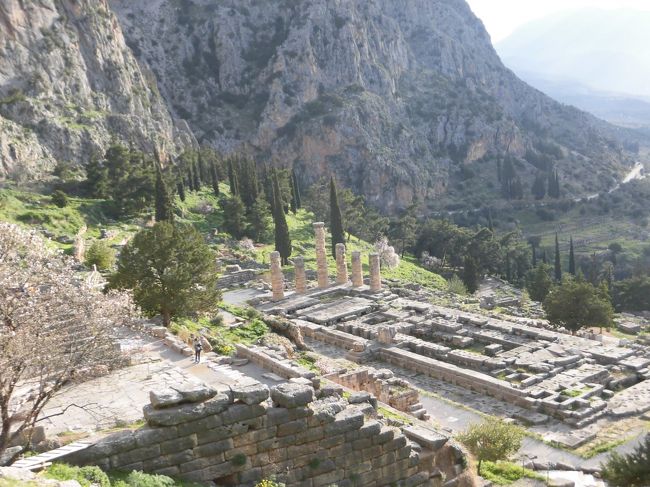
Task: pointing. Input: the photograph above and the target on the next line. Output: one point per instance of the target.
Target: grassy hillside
(200, 209)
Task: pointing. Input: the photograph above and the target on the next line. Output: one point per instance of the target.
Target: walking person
(197, 350)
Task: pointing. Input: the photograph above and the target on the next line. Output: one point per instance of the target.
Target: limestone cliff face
(68, 84)
(401, 99)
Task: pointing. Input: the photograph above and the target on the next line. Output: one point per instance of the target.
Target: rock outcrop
(407, 95)
(68, 85)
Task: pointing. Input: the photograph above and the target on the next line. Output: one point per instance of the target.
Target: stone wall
(293, 432)
(236, 278)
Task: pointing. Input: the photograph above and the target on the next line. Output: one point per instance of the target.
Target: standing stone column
(341, 265)
(277, 278)
(321, 255)
(299, 271)
(375, 273)
(357, 271)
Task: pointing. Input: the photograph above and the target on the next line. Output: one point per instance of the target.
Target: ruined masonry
(357, 271)
(321, 255)
(341, 265)
(301, 278)
(277, 278)
(296, 433)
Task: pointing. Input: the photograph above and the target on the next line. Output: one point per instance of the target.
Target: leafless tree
(56, 327)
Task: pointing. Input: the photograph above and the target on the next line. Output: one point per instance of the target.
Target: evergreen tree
(296, 189)
(471, 275)
(232, 176)
(190, 177)
(294, 203)
(248, 187)
(558, 261)
(180, 186)
(282, 237)
(544, 257)
(572, 258)
(267, 183)
(539, 187)
(553, 184)
(539, 282)
(97, 178)
(631, 469)
(197, 174)
(171, 271)
(336, 219)
(234, 216)
(164, 205)
(214, 178)
(259, 226)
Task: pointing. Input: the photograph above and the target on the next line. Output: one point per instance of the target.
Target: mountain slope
(404, 95)
(68, 84)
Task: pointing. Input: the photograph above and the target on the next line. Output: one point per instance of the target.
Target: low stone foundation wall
(383, 384)
(298, 435)
(468, 379)
(236, 278)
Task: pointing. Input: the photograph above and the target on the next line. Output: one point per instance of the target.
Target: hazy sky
(501, 17)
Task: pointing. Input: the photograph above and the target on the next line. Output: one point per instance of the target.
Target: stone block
(275, 416)
(250, 394)
(137, 455)
(427, 437)
(347, 420)
(173, 471)
(292, 395)
(291, 428)
(177, 444)
(250, 475)
(175, 415)
(148, 436)
(359, 397)
(210, 422)
(328, 390)
(168, 460)
(386, 435)
(370, 429)
(210, 436)
(236, 413)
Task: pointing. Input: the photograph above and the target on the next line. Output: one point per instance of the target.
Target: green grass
(93, 475)
(593, 449)
(506, 473)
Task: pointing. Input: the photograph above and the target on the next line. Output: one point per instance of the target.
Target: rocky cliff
(68, 84)
(401, 94)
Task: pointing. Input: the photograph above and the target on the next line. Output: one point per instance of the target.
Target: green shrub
(455, 285)
(60, 199)
(101, 255)
(141, 479)
(84, 475)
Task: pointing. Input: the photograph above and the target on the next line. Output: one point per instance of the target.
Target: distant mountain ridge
(604, 50)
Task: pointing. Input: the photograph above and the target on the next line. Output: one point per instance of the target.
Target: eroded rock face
(400, 94)
(68, 83)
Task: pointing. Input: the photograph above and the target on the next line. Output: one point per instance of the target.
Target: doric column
(357, 271)
(321, 255)
(277, 278)
(375, 273)
(341, 265)
(299, 271)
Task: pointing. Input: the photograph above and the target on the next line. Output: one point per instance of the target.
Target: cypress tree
(231, 176)
(181, 188)
(294, 203)
(572, 259)
(544, 257)
(336, 220)
(296, 189)
(558, 264)
(539, 187)
(534, 256)
(164, 206)
(197, 175)
(282, 237)
(190, 177)
(214, 176)
(470, 274)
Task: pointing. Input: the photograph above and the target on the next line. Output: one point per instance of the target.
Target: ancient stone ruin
(295, 433)
(544, 374)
